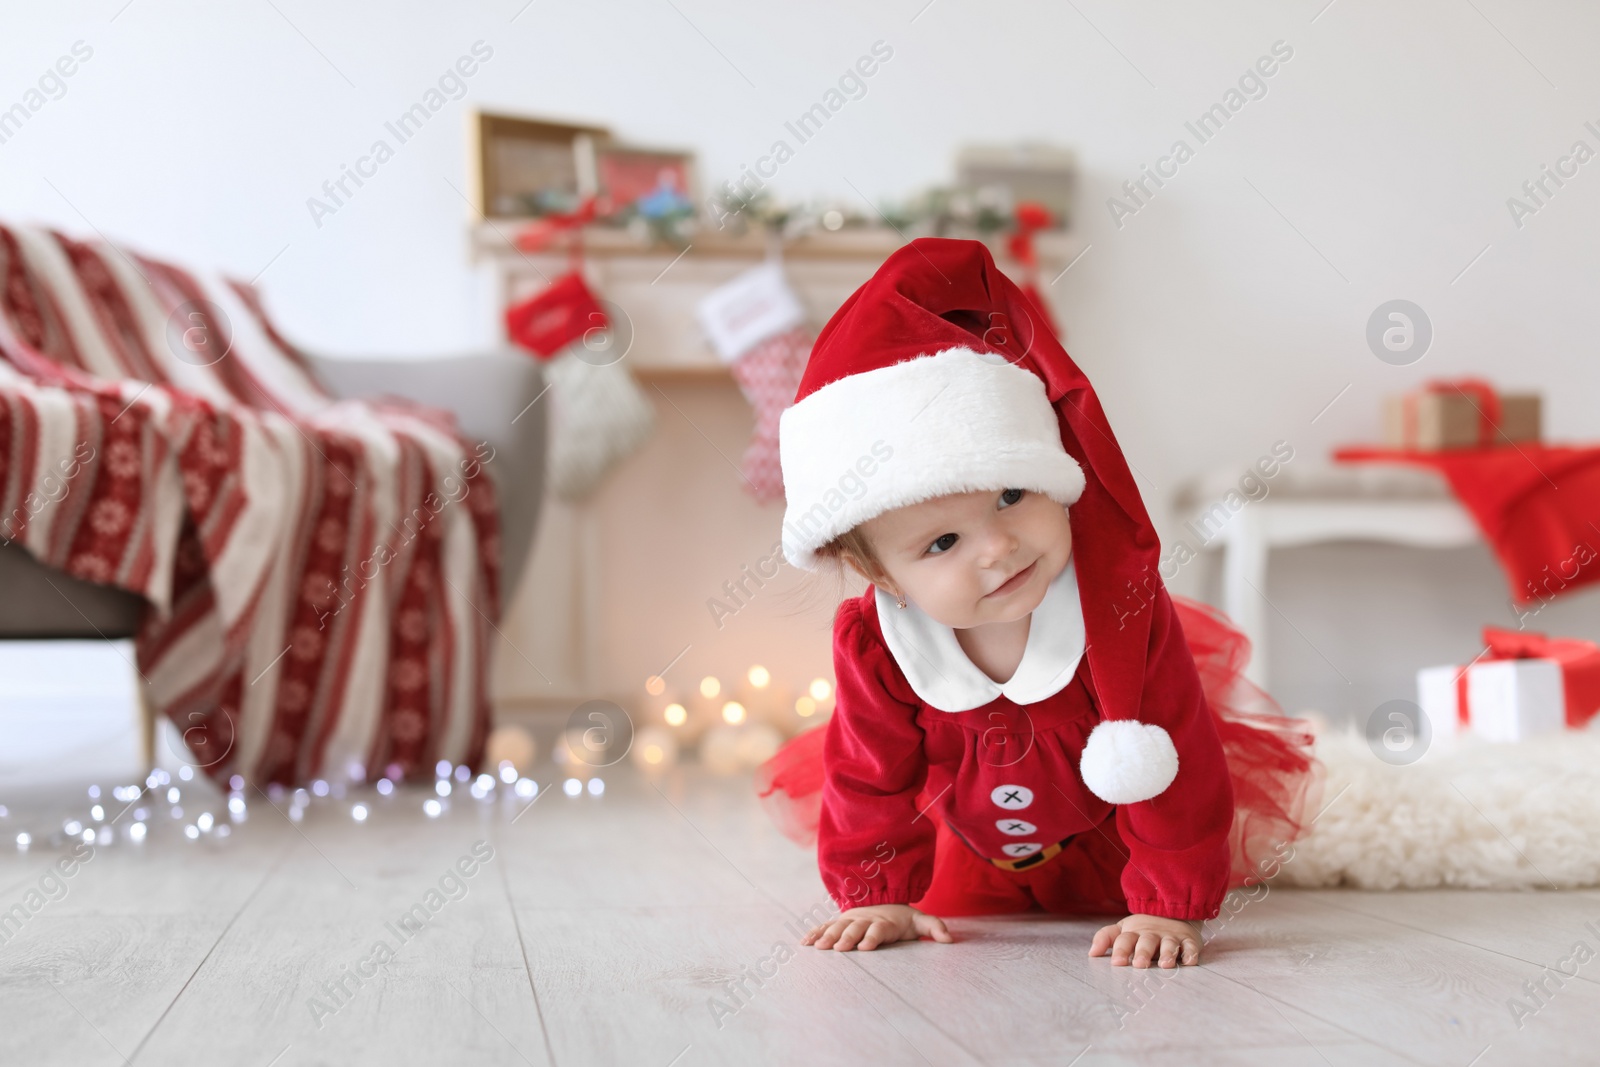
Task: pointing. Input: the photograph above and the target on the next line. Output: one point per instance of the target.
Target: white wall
(1221, 317)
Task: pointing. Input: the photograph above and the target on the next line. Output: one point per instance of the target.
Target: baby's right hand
(880, 924)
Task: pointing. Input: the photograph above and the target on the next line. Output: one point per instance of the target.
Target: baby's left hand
(1143, 938)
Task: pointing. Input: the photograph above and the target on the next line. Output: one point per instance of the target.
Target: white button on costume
(1012, 797)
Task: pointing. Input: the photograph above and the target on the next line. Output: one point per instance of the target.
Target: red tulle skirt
(1276, 779)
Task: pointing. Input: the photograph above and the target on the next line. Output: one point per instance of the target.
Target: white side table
(1305, 504)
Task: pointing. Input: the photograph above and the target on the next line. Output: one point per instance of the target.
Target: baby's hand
(880, 924)
(1141, 937)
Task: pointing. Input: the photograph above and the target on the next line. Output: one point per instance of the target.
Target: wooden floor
(607, 930)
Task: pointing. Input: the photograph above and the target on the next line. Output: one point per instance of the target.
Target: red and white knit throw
(321, 573)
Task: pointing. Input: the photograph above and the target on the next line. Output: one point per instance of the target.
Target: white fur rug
(1469, 813)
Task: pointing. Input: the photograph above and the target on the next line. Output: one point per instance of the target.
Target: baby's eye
(1011, 496)
(943, 543)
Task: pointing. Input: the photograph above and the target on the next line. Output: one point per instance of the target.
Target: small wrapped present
(1524, 684)
(1466, 413)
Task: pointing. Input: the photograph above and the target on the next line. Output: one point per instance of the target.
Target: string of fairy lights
(730, 727)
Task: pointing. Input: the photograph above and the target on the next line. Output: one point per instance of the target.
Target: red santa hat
(938, 376)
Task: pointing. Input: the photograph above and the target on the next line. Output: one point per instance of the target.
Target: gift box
(1467, 413)
(1524, 684)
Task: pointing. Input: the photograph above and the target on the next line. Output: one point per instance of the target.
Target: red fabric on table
(1537, 505)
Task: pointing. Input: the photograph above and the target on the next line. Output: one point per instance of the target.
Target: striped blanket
(321, 573)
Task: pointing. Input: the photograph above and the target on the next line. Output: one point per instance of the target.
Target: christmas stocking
(599, 416)
(769, 375)
(754, 324)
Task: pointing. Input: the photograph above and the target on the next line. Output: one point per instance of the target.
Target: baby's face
(968, 559)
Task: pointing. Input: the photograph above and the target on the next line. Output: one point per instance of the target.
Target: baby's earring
(902, 601)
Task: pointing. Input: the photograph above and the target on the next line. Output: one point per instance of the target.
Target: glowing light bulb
(192, 832)
(655, 685)
(759, 676)
(385, 787)
(805, 707)
(709, 686)
(359, 813)
(205, 821)
(572, 787)
(653, 753)
(136, 832)
(442, 787)
(508, 771)
(675, 714)
(526, 787)
(432, 808)
(596, 787)
(821, 689)
(733, 712)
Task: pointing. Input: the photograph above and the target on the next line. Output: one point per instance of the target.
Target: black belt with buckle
(1033, 860)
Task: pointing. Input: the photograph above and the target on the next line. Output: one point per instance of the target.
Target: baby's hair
(853, 548)
(844, 557)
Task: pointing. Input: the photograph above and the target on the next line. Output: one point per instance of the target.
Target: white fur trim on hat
(1125, 761)
(956, 421)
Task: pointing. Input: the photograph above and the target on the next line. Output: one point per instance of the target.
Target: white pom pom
(1126, 761)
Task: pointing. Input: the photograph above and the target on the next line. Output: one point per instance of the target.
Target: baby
(1019, 722)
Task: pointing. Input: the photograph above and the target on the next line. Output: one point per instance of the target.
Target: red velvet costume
(929, 771)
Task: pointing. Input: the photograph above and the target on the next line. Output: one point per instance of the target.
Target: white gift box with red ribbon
(1499, 700)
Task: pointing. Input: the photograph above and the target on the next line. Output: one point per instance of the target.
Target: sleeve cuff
(1168, 909)
(891, 895)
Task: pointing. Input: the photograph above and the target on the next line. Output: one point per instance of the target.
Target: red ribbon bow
(542, 232)
(1031, 217)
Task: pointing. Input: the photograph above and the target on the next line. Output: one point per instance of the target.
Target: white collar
(941, 674)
